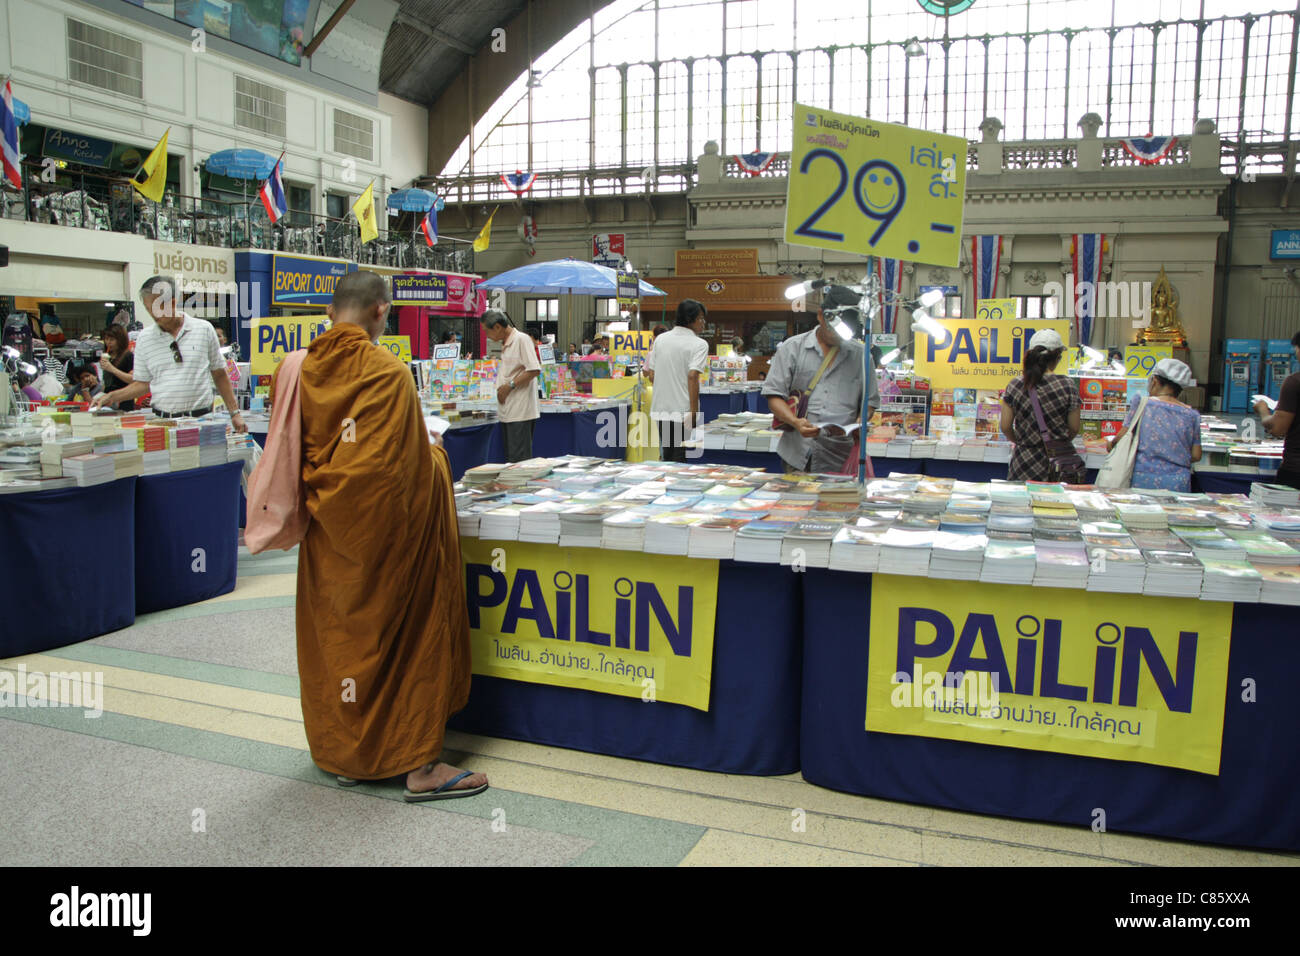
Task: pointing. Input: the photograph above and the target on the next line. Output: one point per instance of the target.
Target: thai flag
(985, 260)
(518, 182)
(1149, 150)
(755, 162)
(273, 193)
(429, 225)
(889, 273)
(1088, 249)
(9, 127)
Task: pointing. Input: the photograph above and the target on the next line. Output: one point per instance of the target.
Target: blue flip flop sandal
(445, 792)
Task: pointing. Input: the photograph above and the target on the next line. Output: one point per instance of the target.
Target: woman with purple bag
(1040, 415)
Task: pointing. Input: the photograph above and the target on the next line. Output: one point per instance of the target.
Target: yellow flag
(155, 170)
(485, 234)
(364, 210)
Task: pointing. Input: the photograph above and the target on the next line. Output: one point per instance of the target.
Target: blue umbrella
(22, 112)
(241, 163)
(568, 276)
(414, 200)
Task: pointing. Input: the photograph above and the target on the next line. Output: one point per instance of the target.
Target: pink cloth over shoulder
(277, 501)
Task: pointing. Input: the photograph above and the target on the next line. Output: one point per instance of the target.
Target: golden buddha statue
(1165, 328)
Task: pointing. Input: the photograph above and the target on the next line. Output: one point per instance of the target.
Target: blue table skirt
(755, 402)
(175, 514)
(711, 406)
(50, 595)
(771, 461)
(475, 445)
(1250, 803)
(751, 727)
(1227, 482)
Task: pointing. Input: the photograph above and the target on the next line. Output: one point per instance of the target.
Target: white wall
(193, 95)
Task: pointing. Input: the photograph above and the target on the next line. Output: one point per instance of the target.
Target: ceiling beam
(330, 24)
(433, 33)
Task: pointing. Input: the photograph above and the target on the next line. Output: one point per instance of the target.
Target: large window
(652, 81)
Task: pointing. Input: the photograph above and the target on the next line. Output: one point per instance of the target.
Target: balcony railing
(88, 201)
(556, 184)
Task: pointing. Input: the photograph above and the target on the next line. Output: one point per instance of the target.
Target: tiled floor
(200, 758)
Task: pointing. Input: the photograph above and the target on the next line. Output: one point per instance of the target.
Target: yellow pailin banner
(634, 343)
(859, 185)
(974, 353)
(1129, 677)
(273, 339)
(639, 627)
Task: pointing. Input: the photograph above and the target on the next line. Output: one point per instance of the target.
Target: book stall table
(713, 404)
(750, 727)
(39, 532)
(1248, 801)
(186, 538)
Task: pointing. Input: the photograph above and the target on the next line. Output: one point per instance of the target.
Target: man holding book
(822, 369)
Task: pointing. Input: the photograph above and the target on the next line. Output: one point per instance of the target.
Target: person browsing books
(1169, 434)
(516, 385)
(678, 359)
(177, 361)
(1284, 422)
(827, 369)
(1057, 398)
(117, 362)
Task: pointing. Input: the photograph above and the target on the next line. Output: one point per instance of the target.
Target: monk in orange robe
(383, 634)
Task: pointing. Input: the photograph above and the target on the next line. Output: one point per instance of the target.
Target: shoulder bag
(1117, 471)
(1060, 451)
(277, 503)
(798, 401)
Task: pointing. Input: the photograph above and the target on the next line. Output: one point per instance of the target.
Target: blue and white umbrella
(241, 163)
(414, 200)
(567, 276)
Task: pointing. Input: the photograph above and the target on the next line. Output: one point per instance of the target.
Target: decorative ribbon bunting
(755, 162)
(519, 183)
(1149, 150)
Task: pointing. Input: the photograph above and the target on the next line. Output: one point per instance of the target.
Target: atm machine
(1279, 362)
(1241, 358)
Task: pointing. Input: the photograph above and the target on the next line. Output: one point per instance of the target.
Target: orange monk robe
(381, 597)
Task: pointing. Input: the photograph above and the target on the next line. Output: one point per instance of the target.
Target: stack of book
(1274, 496)
(669, 532)
(759, 540)
(56, 451)
(1262, 548)
(540, 523)
(906, 550)
(958, 555)
(856, 549)
(624, 530)
(1116, 570)
(1226, 579)
(152, 438)
(808, 543)
(583, 526)
(1137, 515)
(1060, 559)
(1280, 585)
(127, 464)
(1172, 574)
(501, 523)
(155, 462)
(184, 457)
(89, 469)
(714, 538)
(480, 476)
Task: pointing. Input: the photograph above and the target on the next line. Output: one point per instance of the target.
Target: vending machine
(1279, 362)
(1241, 358)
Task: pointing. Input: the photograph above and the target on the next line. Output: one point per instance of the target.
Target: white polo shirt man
(184, 385)
(674, 356)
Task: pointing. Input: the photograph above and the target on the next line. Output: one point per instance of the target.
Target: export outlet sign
(300, 280)
(974, 353)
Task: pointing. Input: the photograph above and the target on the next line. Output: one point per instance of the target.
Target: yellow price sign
(399, 345)
(1139, 360)
(858, 185)
(994, 309)
(274, 338)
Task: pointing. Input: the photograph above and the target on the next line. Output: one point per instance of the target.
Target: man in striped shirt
(178, 360)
